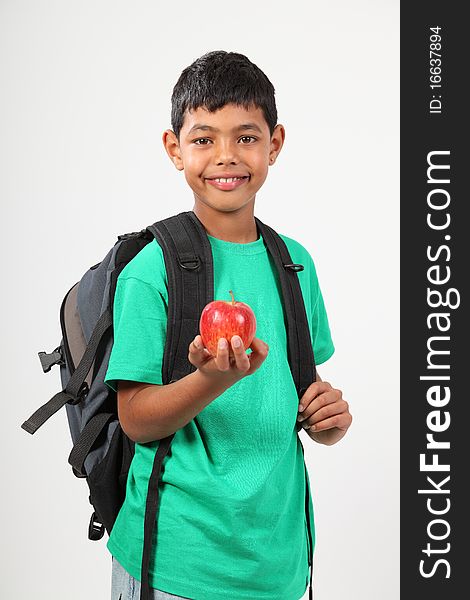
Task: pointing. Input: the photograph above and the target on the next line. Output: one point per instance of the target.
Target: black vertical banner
(435, 269)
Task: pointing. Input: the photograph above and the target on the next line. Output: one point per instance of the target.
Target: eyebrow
(243, 127)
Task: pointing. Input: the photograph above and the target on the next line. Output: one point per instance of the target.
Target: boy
(231, 519)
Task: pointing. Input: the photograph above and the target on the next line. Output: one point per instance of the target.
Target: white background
(85, 97)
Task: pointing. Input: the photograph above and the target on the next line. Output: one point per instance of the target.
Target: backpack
(102, 452)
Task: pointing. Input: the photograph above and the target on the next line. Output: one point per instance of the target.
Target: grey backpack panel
(84, 305)
(77, 346)
(93, 292)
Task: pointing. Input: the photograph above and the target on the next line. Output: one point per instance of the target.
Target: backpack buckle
(49, 359)
(294, 267)
(95, 528)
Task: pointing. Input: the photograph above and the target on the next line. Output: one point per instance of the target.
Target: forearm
(157, 411)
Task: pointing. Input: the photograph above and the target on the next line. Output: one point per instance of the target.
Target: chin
(224, 204)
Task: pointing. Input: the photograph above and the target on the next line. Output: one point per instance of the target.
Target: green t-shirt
(231, 521)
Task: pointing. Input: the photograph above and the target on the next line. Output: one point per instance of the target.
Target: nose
(226, 153)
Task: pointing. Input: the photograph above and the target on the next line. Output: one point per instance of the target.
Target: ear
(172, 147)
(277, 141)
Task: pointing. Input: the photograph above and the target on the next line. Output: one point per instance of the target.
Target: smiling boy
(233, 142)
(231, 521)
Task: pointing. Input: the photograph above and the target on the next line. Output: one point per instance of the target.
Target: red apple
(223, 318)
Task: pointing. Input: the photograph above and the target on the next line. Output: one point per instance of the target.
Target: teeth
(222, 180)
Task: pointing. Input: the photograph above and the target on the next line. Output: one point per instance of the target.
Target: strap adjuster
(82, 394)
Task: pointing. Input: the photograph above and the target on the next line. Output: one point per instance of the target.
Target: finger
(222, 358)
(197, 351)
(197, 356)
(324, 399)
(330, 410)
(196, 346)
(241, 359)
(200, 346)
(342, 421)
(312, 392)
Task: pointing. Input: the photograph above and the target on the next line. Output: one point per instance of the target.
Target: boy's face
(229, 143)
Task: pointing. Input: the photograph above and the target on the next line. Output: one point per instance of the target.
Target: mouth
(228, 183)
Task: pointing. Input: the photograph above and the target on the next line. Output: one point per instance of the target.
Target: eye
(200, 140)
(248, 137)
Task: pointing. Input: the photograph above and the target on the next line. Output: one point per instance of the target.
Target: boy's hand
(323, 413)
(231, 363)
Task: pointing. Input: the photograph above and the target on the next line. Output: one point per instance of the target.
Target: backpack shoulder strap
(300, 348)
(188, 261)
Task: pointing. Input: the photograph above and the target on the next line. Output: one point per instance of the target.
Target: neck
(237, 226)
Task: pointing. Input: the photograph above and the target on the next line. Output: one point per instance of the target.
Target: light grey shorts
(126, 587)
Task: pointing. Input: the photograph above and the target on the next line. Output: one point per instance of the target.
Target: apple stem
(233, 298)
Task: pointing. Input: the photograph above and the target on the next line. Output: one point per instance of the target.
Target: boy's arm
(149, 412)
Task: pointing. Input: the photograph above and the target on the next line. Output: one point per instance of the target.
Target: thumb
(259, 346)
(259, 353)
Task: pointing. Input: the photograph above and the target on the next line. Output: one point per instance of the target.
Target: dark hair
(219, 78)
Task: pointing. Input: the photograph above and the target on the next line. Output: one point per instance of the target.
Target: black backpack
(102, 452)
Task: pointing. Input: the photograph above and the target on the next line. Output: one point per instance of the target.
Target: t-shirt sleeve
(323, 347)
(139, 321)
